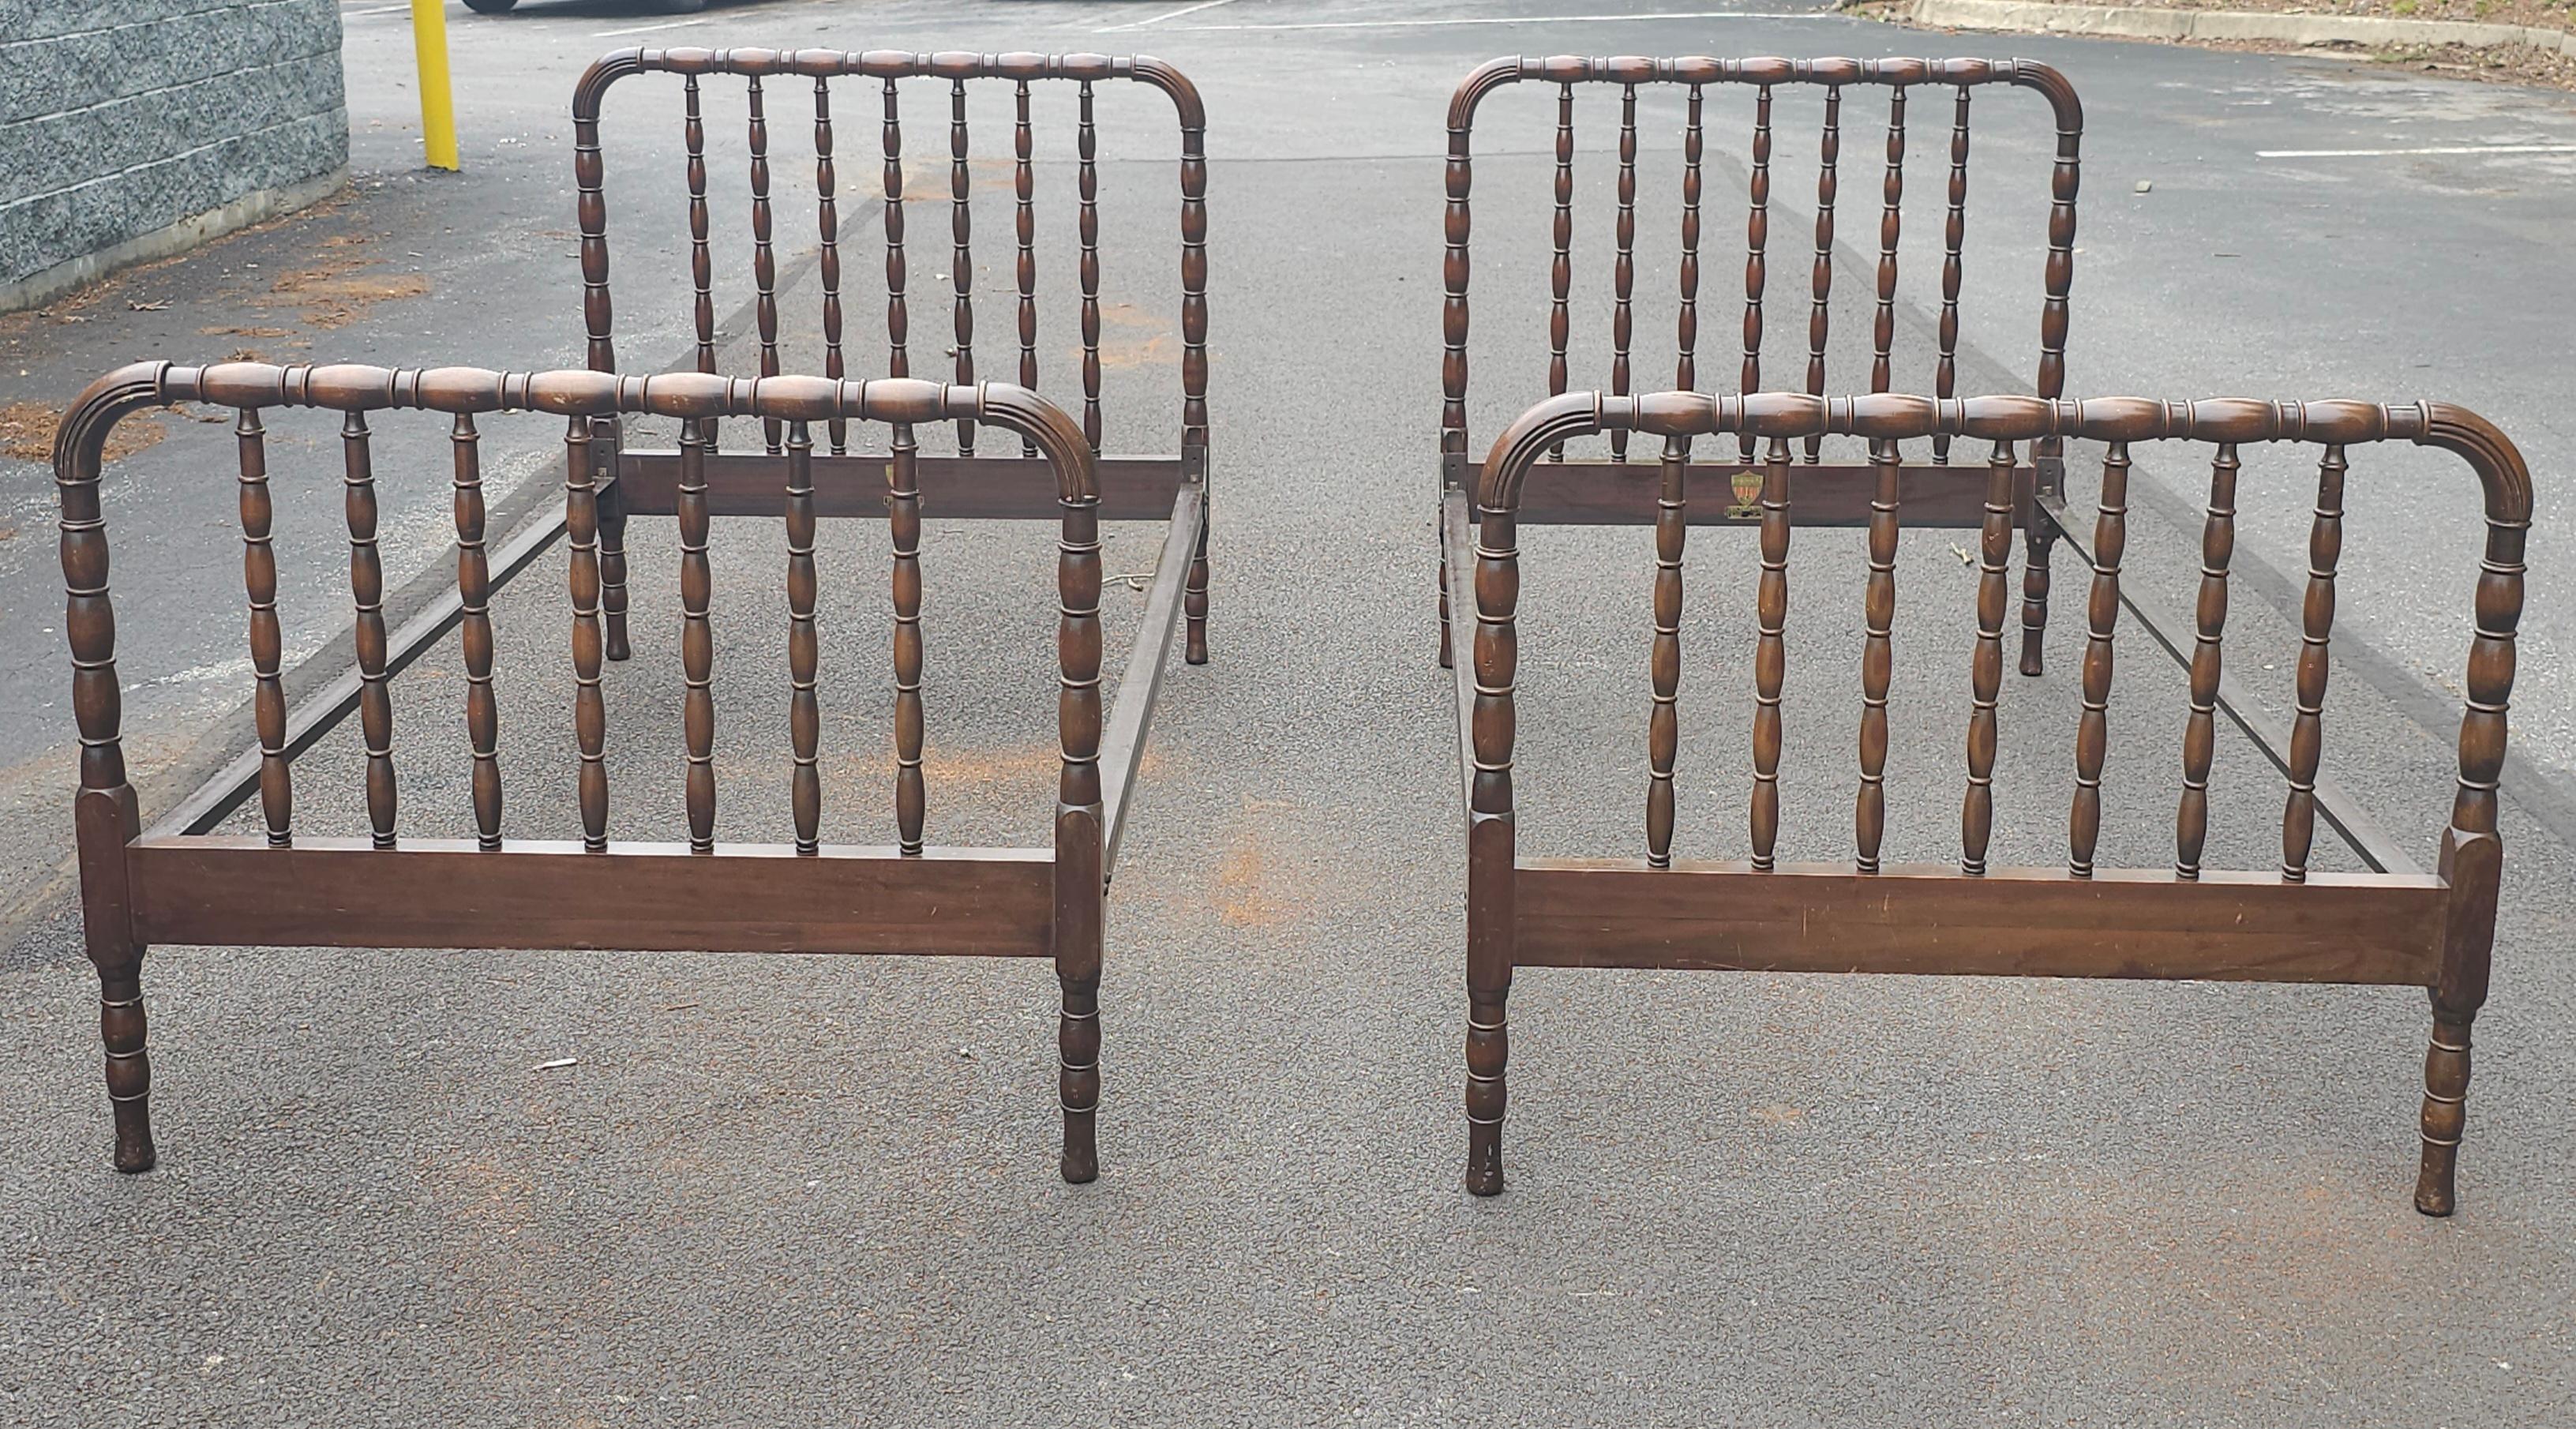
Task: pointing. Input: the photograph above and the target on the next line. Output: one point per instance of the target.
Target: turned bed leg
(612, 567)
(1488, 1050)
(104, 821)
(1078, 1078)
(607, 439)
(2039, 539)
(2446, 1091)
(2472, 864)
(1194, 602)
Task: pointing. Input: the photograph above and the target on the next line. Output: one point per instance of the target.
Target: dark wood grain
(2020, 922)
(980, 487)
(451, 893)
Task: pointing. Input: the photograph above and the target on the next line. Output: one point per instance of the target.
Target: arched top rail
(357, 387)
(889, 64)
(1761, 70)
(1896, 417)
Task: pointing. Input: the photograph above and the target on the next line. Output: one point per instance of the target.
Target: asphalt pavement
(783, 1188)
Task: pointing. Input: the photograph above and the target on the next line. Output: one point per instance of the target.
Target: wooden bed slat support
(2018, 922)
(640, 897)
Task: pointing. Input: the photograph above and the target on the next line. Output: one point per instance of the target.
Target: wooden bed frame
(969, 484)
(2394, 924)
(1937, 493)
(181, 881)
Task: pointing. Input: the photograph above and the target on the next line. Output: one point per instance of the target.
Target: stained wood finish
(2015, 922)
(1770, 652)
(764, 258)
(827, 263)
(1769, 79)
(1663, 722)
(1011, 487)
(958, 71)
(259, 578)
(1877, 657)
(697, 639)
(804, 650)
(1986, 667)
(182, 884)
(1024, 187)
(2102, 619)
(2287, 925)
(474, 637)
(1820, 313)
(1623, 270)
(1600, 493)
(1686, 368)
(367, 592)
(961, 272)
(2200, 730)
(2307, 734)
(640, 897)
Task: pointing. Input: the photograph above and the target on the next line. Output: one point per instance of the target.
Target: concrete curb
(2142, 23)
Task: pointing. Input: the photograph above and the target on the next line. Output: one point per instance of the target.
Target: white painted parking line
(1524, 20)
(1166, 15)
(379, 10)
(647, 29)
(2393, 153)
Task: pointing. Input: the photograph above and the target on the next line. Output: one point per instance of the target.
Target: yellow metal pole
(437, 106)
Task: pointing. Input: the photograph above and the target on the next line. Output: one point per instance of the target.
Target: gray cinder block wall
(130, 129)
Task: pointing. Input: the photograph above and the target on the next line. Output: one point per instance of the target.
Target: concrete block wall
(132, 128)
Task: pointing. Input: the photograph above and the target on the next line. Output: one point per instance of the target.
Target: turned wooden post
(104, 813)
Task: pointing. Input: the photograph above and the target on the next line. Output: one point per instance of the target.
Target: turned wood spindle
(903, 524)
(2200, 731)
(1686, 368)
(2317, 612)
(764, 258)
(1757, 237)
(693, 132)
(961, 220)
(1560, 318)
(898, 318)
(589, 708)
(1945, 377)
(1663, 728)
(267, 642)
(1891, 222)
(1623, 272)
(1194, 375)
(1490, 846)
(474, 631)
(828, 261)
(1087, 187)
(1078, 833)
(2472, 857)
(1024, 184)
(1770, 652)
(804, 710)
(1820, 312)
(104, 814)
(697, 639)
(1877, 657)
(367, 592)
(1986, 668)
(2102, 617)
